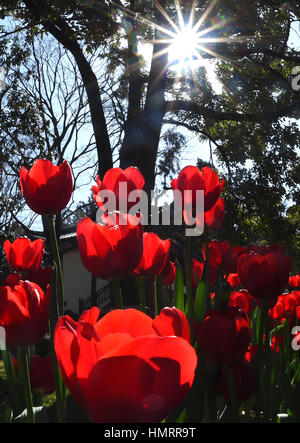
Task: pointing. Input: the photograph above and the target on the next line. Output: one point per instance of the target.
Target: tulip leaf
(296, 377)
(179, 287)
(258, 324)
(6, 413)
(276, 330)
(188, 279)
(196, 277)
(200, 303)
(181, 417)
(203, 302)
(253, 325)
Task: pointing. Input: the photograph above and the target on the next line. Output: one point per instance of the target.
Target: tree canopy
(137, 104)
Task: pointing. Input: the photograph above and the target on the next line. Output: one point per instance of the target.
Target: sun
(186, 40)
(183, 50)
(184, 53)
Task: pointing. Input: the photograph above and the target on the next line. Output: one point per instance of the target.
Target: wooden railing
(102, 298)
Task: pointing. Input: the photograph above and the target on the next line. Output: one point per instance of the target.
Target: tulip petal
(134, 174)
(171, 321)
(143, 382)
(67, 353)
(155, 255)
(127, 321)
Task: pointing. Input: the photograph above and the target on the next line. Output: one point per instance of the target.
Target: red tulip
(112, 250)
(47, 188)
(42, 277)
(197, 270)
(130, 178)
(290, 302)
(193, 179)
(41, 373)
(264, 271)
(294, 281)
(24, 254)
(213, 218)
(286, 307)
(241, 299)
(223, 336)
(121, 368)
(296, 294)
(169, 273)
(244, 380)
(234, 280)
(155, 255)
(172, 321)
(24, 309)
(277, 312)
(217, 251)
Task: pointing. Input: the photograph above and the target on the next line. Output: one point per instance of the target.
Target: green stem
(58, 266)
(23, 371)
(59, 385)
(60, 394)
(188, 272)
(57, 310)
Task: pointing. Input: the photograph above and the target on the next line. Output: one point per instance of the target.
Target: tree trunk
(143, 128)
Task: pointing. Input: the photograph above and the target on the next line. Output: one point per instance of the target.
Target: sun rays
(184, 42)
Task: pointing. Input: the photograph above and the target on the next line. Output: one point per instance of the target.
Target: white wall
(77, 280)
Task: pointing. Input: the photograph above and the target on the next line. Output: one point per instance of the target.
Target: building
(82, 289)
